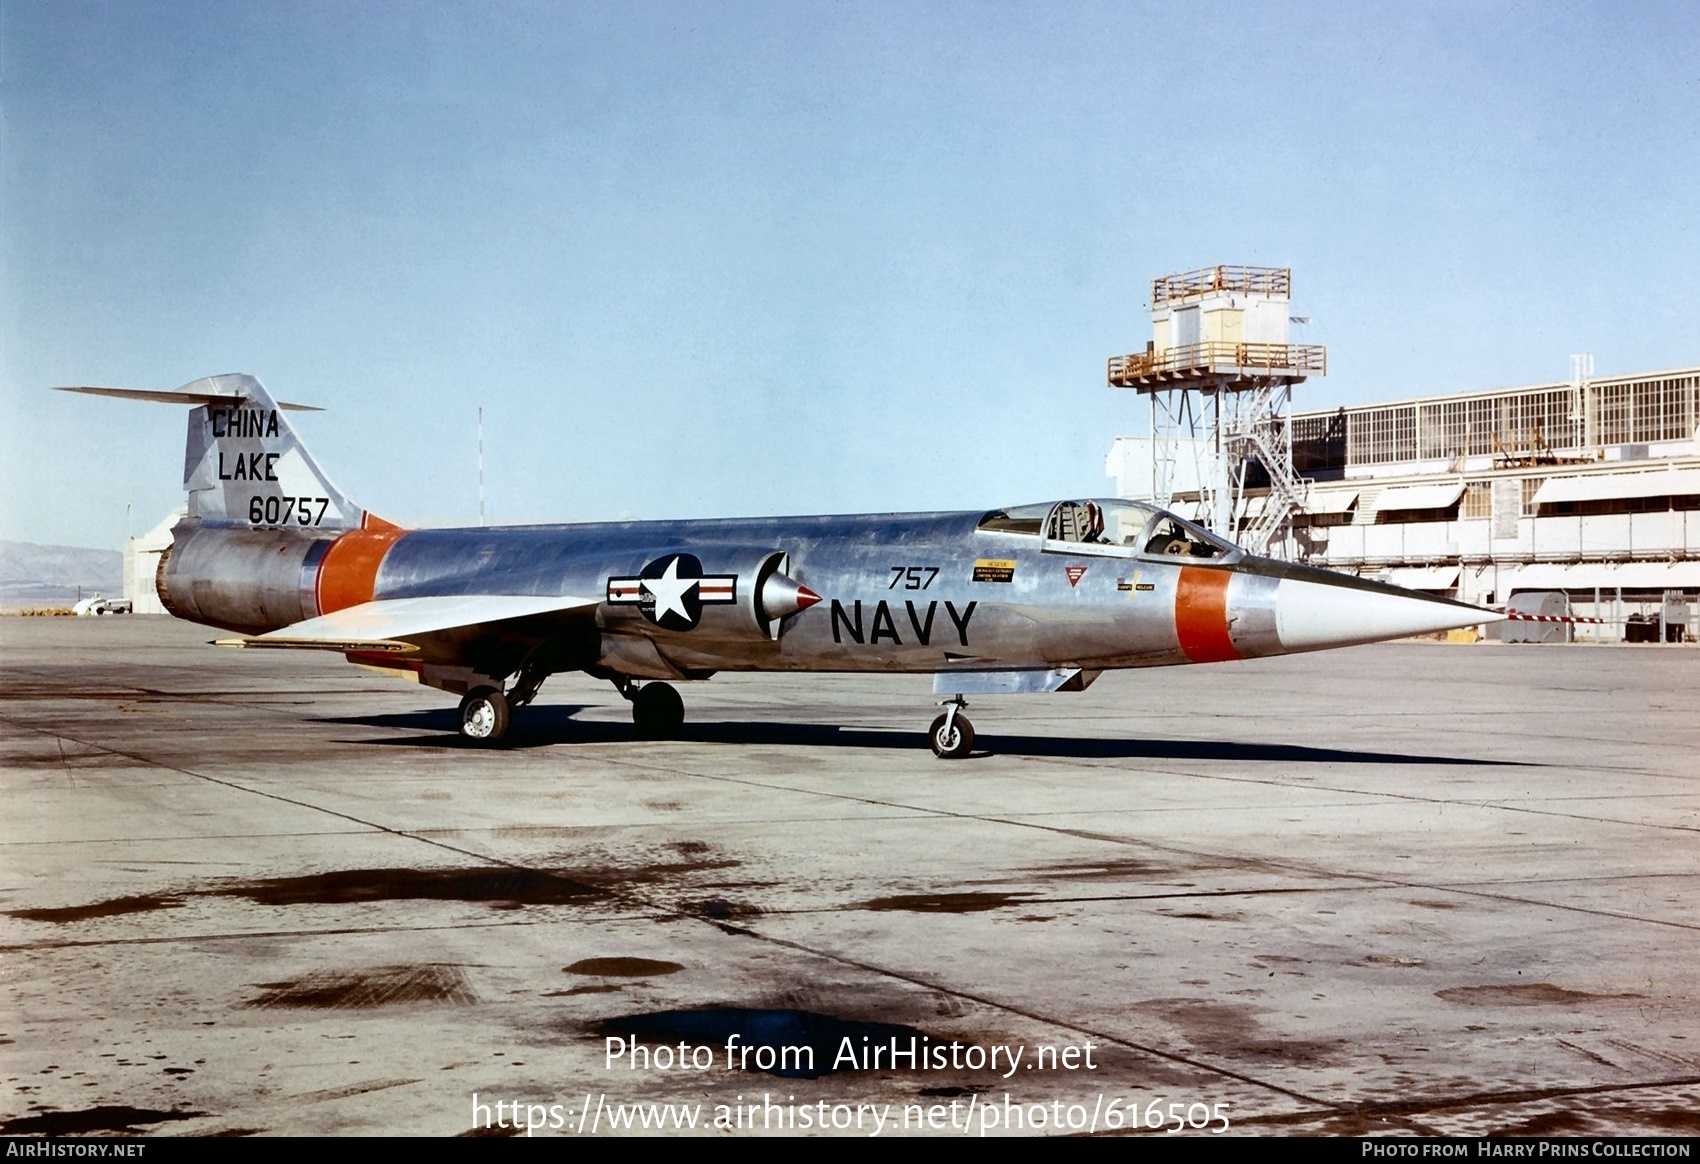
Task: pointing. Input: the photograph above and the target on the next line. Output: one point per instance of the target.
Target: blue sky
(713, 259)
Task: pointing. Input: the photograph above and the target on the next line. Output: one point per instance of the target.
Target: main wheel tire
(484, 715)
(658, 711)
(952, 742)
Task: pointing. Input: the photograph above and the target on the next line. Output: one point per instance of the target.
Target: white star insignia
(670, 591)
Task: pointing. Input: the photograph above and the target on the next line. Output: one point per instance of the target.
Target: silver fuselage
(929, 592)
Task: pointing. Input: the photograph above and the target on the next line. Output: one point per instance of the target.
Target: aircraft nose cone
(1320, 610)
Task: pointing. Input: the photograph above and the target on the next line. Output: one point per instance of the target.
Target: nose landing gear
(951, 736)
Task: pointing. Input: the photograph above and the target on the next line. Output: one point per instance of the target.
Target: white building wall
(141, 565)
(1130, 465)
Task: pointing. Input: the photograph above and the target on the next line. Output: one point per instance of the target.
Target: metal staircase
(1258, 430)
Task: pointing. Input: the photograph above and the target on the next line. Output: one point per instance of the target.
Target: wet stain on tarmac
(500, 887)
(111, 1119)
(361, 989)
(799, 1044)
(1552, 1123)
(1128, 868)
(1676, 1120)
(73, 762)
(944, 902)
(714, 909)
(648, 874)
(1605, 1122)
(492, 1130)
(112, 907)
(623, 967)
(1294, 1052)
(1521, 994)
(1234, 1031)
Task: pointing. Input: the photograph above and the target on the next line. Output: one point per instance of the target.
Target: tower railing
(1216, 280)
(1207, 357)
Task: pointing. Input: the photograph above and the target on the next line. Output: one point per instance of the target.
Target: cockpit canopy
(1115, 527)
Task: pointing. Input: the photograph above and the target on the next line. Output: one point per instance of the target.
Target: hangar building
(1579, 497)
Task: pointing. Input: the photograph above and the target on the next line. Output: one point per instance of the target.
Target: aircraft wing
(388, 624)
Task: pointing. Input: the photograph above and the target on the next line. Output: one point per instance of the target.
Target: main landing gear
(484, 715)
(657, 709)
(485, 712)
(951, 736)
(658, 712)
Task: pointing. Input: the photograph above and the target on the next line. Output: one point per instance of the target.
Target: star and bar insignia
(671, 591)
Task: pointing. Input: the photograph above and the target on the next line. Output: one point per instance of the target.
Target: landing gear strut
(951, 736)
(484, 715)
(657, 709)
(525, 688)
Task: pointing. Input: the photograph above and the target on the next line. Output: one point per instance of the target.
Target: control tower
(1219, 372)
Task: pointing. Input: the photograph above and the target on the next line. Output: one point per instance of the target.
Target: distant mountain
(31, 573)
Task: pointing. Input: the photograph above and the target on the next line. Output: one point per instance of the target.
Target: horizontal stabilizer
(386, 624)
(179, 397)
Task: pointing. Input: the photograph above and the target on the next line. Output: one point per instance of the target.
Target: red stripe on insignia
(1201, 615)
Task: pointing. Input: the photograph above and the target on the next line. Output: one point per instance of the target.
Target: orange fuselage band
(349, 571)
(1201, 615)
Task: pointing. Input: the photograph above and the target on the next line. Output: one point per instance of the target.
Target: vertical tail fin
(244, 464)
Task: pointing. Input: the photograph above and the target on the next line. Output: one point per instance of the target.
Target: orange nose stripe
(349, 571)
(1201, 615)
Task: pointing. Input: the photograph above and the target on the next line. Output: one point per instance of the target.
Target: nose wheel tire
(951, 738)
(484, 715)
(657, 711)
